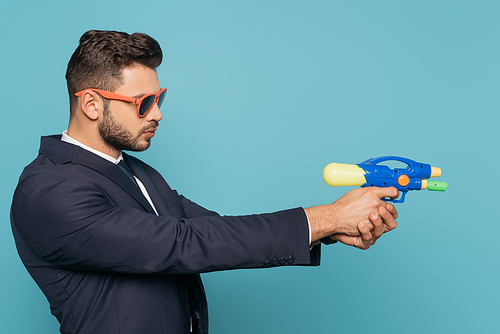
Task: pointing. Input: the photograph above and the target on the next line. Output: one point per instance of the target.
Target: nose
(154, 114)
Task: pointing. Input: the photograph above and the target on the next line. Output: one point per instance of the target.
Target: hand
(343, 216)
(382, 222)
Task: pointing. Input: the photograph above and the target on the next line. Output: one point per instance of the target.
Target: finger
(378, 224)
(365, 231)
(369, 224)
(365, 241)
(364, 244)
(388, 219)
(390, 192)
(392, 209)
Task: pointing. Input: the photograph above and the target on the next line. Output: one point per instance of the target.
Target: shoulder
(44, 184)
(49, 195)
(44, 172)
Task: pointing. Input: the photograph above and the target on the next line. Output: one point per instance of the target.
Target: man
(111, 245)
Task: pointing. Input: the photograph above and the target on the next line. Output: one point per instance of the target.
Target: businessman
(111, 245)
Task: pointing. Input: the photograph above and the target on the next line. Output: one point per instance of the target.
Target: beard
(120, 138)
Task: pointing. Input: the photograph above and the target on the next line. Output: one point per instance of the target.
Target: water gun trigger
(397, 200)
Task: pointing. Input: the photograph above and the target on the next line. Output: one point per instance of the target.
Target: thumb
(357, 242)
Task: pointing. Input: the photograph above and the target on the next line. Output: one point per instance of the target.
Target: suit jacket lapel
(114, 173)
(140, 173)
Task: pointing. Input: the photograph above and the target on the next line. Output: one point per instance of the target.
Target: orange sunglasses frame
(114, 96)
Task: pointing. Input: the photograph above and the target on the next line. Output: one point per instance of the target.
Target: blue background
(261, 96)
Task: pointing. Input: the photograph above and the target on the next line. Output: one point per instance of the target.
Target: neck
(92, 139)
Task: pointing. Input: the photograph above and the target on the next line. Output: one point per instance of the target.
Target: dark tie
(126, 169)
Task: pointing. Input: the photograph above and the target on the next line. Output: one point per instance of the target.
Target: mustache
(153, 125)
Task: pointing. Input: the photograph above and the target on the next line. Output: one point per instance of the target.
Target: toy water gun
(370, 174)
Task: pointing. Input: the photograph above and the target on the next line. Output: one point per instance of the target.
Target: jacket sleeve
(71, 223)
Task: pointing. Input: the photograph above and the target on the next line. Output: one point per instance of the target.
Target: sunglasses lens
(161, 98)
(146, 105)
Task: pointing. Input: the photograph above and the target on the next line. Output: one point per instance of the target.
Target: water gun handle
(374, 161)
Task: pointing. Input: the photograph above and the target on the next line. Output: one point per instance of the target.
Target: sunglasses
(144, 104)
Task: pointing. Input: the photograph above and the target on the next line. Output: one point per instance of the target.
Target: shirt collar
(73, 141)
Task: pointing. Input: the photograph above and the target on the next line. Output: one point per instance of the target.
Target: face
(120, 127)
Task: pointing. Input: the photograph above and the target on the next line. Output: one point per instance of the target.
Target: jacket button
(282, 261)
(274, 262)
(267, 264)
(290, 260)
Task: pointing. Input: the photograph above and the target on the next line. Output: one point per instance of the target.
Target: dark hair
(101, 56)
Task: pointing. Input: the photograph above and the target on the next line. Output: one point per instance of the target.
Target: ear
(91, 104)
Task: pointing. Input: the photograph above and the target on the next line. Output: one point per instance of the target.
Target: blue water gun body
(371, 173)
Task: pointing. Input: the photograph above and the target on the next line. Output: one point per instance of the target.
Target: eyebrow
(138, 96)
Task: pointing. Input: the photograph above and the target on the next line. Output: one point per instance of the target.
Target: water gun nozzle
(435, 171)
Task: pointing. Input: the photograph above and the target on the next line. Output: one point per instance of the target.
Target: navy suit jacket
(108, 264)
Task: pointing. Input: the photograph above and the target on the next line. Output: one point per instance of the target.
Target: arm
(74, 224)
(180, 206)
